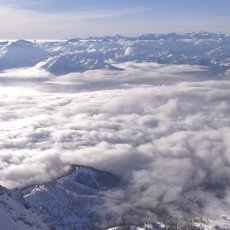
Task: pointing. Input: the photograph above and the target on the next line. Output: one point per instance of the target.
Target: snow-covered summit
(20, 53)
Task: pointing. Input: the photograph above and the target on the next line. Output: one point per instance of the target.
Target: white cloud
(29, 24)
(166, 131)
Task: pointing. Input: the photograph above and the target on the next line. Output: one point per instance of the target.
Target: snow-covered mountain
(78, 55)
(78, 201)
(73, 201)
(64, 64)
(20, 54)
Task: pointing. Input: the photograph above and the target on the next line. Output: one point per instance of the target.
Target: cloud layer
(164, 129)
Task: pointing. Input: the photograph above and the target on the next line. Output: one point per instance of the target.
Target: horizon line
(110, 35)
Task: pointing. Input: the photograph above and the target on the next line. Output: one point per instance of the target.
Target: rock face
(78, 55)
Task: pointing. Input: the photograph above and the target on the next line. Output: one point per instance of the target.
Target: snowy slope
(15, 215)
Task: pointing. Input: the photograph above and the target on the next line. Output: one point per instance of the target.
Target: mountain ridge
(95, 53)
(76, 201)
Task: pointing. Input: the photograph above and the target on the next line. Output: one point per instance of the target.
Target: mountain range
(79, 55)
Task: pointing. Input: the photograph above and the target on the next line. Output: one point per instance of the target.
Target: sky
(57, 19)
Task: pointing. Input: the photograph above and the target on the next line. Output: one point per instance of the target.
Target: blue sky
(82, 18)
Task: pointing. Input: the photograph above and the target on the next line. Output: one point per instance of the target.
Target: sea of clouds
(165, 129)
